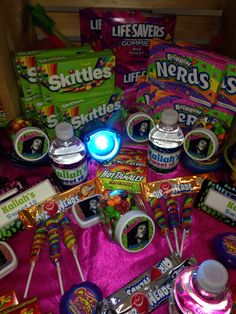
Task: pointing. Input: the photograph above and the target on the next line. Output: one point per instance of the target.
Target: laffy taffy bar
(35, 214)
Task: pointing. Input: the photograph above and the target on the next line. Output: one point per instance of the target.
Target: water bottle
(68, 155)
(201, 290)
(165, 141)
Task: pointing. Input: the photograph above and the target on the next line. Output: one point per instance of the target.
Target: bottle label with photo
(72, 176)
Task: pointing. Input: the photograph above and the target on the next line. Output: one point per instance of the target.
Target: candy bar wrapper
(30, 306)
(218, 200)
(174, 187)
(148, 297)
(128, 33)
(31, 216)
(190, 73)
(126, 171)
(8, 299)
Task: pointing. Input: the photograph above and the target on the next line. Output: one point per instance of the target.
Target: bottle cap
(134, 231)
(200, 144)
(138, 127)
(64, 131)
(169, 117)
(212, 276)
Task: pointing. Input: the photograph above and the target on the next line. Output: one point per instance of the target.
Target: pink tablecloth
(104, 263)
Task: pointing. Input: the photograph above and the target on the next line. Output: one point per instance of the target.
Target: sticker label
(221, 203)
(72, 176)
(9, 209)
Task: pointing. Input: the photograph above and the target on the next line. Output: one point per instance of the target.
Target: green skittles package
(70, 77)
(106, 108)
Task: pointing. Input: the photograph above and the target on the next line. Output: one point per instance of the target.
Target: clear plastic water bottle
(68, 155)
(165, 141)
(202, 290)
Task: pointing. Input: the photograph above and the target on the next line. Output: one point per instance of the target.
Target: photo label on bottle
(161, 161)
(72, 176)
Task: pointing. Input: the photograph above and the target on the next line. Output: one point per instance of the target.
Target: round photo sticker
(135, 231)
(31, 144)
(138, 127)
(200, 144)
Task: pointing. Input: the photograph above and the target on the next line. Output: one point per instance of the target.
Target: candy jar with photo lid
(125, 220)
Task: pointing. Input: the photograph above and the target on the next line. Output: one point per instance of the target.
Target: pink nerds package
(128, 33)
(189, 73)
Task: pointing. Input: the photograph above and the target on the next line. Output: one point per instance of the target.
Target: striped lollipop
(173, 219)
(186, 220)
(54, 247)
(38, 242)
(160, 220)
(70, 240)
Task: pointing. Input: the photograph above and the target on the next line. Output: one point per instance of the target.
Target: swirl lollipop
(38, 241)
(173, 218)
(54, 247)
(186, 220)
(160, 220)
(70, 240)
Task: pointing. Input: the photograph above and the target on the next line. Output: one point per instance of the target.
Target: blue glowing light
(103, 145)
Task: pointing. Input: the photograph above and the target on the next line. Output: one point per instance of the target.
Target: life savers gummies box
(186, 72)
(90, 27)
(69, 77)
(26, 66)
(106, 108)
(128, 33)
(127, 74)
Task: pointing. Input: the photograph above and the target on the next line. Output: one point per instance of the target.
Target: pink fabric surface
(103, 262)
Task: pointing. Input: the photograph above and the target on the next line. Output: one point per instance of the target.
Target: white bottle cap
(64, 131)
(169, 117)
(212, 276)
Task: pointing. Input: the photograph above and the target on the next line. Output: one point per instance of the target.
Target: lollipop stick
(182, 242)
(169, 243)
(176, 240)
(74, 251)
(29, 279)
(59, 277)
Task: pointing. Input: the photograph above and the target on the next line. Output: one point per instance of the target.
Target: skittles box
(106, 108)
(26, 66)
(27, 105)
(70, 77)
(227, 94)
(46, 115)
(126, 171)
(188, 73)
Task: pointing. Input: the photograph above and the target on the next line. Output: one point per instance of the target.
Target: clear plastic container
(202, 290)
(68, 155)
(165, 143)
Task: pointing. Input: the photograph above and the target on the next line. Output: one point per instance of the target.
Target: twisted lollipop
(173, 218)
(186, 220)
(160, 220)
(54, 247)
(70, 240)
(38, 241)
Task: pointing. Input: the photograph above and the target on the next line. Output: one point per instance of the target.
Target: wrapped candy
(70, 240)
(54, 247)
(186, 220)
(38, 242)
(173, 218)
